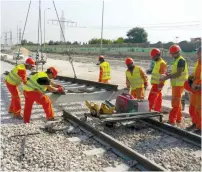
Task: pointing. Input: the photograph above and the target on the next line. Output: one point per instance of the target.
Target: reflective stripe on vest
(13, 78)
(195, 67)
(184, 75)
(106, 70)
(135, 78)
(156, 76)
(32, 84)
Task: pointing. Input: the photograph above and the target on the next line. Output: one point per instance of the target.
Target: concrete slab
(197, 153)
(120, 167)
(96, 151)
(77, 139)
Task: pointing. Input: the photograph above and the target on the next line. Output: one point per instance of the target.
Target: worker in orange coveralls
(104, 75)
(193, 85)
(178, 76)
(34, 92)
(17, 76)
(136, 79)
(155, 95)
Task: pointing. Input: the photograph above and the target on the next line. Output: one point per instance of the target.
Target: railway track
(73, 111)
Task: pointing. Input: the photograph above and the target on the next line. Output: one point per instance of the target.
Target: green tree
(24, 42)
(119, 40)
(137, 35)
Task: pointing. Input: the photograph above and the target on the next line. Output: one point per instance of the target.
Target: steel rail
(174, 131)
(114, 145)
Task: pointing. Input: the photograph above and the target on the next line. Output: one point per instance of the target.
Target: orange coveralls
(197, 95)
(138, 93)
(15, 105)
(155, 95)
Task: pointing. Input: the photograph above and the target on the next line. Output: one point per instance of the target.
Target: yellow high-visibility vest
(32, 84)
(195, 67)
(156, 76)
(13, 78)
(135, 78)
(106, 70)
(184, 75)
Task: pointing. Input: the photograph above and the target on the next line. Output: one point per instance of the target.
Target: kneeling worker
(136, 79)
(104, 75)
(34, 91)
(15, 78)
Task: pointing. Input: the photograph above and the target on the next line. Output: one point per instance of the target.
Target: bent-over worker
(15, 78)
(136, 79)
(34, 91)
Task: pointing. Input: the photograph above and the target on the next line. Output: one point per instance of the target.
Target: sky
(164, 20)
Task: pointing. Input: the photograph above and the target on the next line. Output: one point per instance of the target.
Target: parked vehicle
(18, 56)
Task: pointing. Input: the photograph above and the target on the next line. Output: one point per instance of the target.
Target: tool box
(126, 103)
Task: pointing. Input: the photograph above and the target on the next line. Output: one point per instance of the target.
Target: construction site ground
(86, 68)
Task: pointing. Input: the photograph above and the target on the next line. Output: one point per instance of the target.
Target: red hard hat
(100, 57)
(174, 49)
(129, 60)
(30, 62)
(155, 51)
(54, 71)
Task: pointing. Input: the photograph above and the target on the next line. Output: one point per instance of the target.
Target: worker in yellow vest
(155, 95)
(136, 79)
(178, 76)
(34, 91)
(15, 78)
(105, 70)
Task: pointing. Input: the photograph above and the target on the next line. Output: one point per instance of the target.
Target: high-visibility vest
(156, 76)
(135, 78)
(195, 67)
(13, 78)
(184, 75)
(33, 85)
(106, 70)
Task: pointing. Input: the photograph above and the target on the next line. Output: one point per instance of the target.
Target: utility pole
(5, 42)
(63, 22)
(20, 36)
(102, 25)
(11, 38)
(45, 26)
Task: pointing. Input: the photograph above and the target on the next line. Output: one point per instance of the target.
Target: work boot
(191, 128)
(18, 117)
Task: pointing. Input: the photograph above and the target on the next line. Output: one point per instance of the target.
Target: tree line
(137, 37)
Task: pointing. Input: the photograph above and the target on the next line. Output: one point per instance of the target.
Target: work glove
(145, 85)
(191, 77)
(60, 90)
(58, 85)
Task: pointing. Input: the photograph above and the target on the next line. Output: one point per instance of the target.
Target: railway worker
(34, 91)
(136, 79)
(178, 76)
(15, 78)
(155, 95)
(104, 75)
(194, 87)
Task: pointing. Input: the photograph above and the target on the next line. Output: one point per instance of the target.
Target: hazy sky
(162, 19)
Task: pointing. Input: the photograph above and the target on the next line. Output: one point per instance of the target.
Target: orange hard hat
(54, 71)
(30, 62)
(129, 60)
(174, 49)
(100, 57)
(154, 52)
